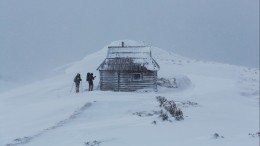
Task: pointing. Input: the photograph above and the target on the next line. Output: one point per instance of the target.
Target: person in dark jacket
(77, 81)
(90, 79)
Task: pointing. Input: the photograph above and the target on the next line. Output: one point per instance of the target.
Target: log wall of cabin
(123, 80)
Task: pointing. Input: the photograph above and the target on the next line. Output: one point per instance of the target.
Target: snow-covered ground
(220, 103)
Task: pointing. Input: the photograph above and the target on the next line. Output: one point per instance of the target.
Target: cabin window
(137, 77)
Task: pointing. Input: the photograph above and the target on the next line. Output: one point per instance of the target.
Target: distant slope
(7, 84)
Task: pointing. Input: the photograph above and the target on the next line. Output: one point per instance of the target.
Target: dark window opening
(137, 77)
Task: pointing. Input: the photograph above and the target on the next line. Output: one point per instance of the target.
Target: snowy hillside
(220, 103)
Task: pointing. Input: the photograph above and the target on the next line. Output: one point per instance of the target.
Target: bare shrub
(93, 143)
(189, 103)
(257, 134)
(171, 107)
(163, 115)
(216, 136)
(161, 100)
(143, 114)
(178, 115)
(154, 122)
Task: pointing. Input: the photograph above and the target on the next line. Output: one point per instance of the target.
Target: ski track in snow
(27, 139)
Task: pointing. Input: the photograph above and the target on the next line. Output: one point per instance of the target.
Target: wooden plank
(122, 81)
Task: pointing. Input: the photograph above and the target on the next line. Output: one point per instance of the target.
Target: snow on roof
(126, 55)
(129, 52)
(128, 49)
(127, 43)
(129, 64)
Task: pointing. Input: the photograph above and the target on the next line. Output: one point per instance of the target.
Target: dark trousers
(77, 87)
(90, 86)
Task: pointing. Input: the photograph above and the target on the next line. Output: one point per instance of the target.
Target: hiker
(77, 81)
(90, 79)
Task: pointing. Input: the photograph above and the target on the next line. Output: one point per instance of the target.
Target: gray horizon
(37, 36)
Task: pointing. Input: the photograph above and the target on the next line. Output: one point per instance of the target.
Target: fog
(38, 35)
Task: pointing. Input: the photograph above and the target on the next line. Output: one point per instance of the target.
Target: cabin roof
(129, 52)
(129, 58)
(133, 64)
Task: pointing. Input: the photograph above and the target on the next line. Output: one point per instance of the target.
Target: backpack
(77, 79)
(88, 77)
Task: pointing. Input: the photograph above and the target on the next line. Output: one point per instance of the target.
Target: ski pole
(81, 86)
(72, 87)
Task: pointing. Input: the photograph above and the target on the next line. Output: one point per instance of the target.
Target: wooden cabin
(128, 68)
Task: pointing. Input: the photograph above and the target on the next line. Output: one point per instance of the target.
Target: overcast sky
(38, 35)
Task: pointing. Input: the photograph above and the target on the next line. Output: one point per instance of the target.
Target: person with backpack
(90, 79)
(77, 81)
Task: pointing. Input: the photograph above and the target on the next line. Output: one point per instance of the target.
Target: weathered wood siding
(108, 80)
(123, 80)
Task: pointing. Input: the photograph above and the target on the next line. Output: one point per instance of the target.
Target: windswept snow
(216, 99)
